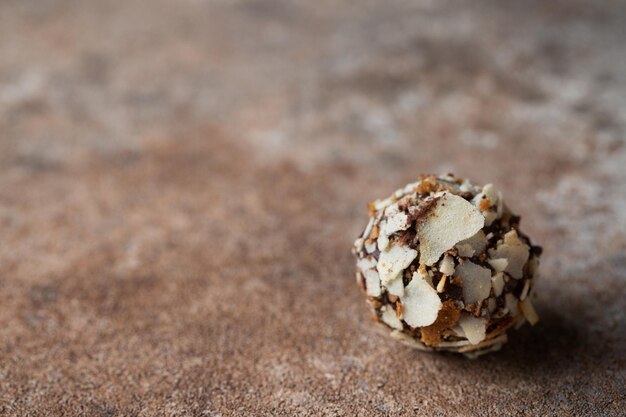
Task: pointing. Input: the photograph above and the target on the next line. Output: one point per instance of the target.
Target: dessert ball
(446, 267)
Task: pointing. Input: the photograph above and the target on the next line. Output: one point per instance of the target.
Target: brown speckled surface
(181, 183)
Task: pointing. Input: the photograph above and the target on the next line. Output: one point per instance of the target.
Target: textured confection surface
(446, 267)
(181, 183)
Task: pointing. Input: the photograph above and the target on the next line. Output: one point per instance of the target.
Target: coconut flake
(491, 305)
(452, 220)
(515, 251)
(497, 282)
(390, 318)
(446, 266)
(475, 329)
(393, 261)
(421, 302)
(476, 281)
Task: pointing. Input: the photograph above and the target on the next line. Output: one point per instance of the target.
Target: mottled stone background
(181, 182)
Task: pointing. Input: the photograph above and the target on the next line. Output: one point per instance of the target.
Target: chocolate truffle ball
(446, 267)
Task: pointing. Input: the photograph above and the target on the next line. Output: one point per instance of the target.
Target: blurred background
(181, 183)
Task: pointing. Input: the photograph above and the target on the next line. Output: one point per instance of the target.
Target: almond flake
(511, 303)
(497, 282)
(396, 287)
(442, 284)
(390, 318)
(454, 344)
(396, 220)
(409, 188)
(382, 242)
(467, 187)
(515, 251)
(372, 281)
(529, 312)
(446, 266)
(474, 328)
(393, 261)
(381, 204)
(465, 250)
(458, 331)
(476, 282)
(475, 245)
(499, 265)
(421, 302)
(450, 221)
(490, 217)
(491, 193)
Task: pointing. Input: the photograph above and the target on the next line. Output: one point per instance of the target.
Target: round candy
(446, 267)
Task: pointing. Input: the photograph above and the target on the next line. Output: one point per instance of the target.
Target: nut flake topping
(446, 266)
(475, 329)
(476, 282)
(514, 251)
(473, 246)
(372, 281)
(421, 302)
(396, 220)
(390, 318)
(459, 248)
(393, 261)
(450, 221)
